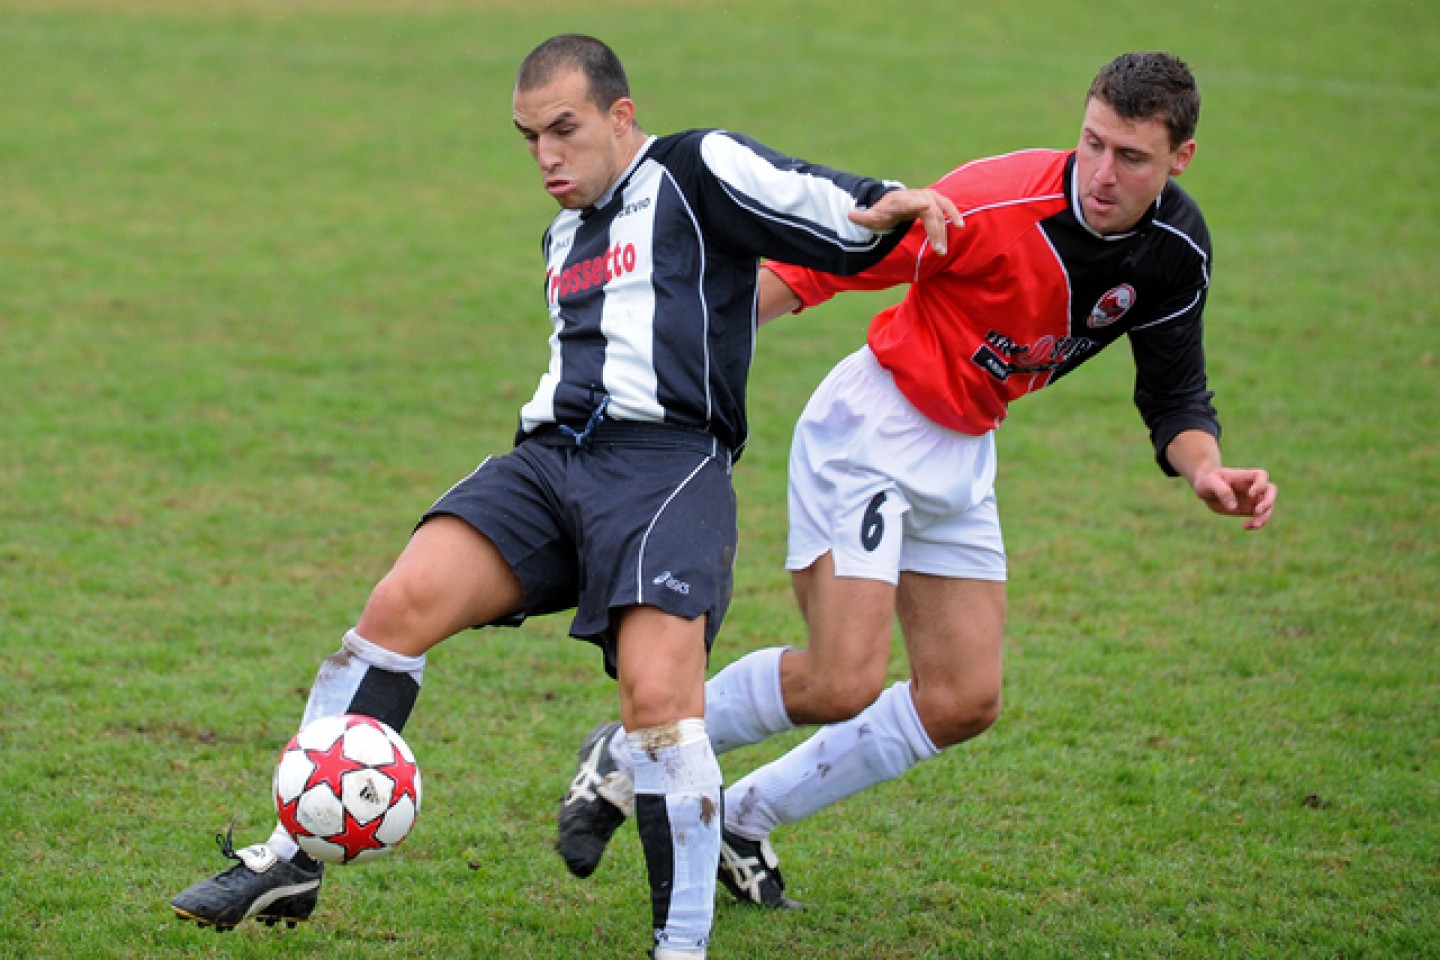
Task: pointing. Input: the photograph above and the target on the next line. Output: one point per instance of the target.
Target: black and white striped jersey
(652, 290)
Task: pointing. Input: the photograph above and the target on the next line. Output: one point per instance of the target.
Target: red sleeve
(974, 186)
(911, 259)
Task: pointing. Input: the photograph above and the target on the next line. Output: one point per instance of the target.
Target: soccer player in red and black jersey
(892, 469)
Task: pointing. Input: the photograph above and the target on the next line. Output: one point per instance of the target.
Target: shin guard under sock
(678, 812)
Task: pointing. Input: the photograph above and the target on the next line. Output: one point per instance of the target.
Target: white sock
(677, 810)
(743, 705)
(884, 741)
(340, 681)
(282, 844)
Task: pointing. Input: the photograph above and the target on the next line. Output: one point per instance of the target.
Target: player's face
(1123, 165)
(580, 149)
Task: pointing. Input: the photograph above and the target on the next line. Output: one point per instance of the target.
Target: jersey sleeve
(758, 201)
(911, 259)
(900, 266)
(1171, 388)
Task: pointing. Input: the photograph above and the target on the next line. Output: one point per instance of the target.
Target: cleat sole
(201, 922)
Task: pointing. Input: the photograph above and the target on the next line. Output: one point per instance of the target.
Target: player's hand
(935, 210)
(1236, 492)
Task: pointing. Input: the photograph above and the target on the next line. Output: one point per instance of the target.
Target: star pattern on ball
(357, 837)
(402, 772)
(337, 792)
(331, 765)
(289, 811)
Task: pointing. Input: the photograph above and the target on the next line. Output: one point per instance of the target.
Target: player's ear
(1183, 156)
(622, 115)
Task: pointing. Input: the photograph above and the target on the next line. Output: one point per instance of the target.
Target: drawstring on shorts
(597, 416)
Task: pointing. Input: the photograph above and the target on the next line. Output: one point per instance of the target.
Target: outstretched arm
(1229, 491)
(934, 210)
(776, 299)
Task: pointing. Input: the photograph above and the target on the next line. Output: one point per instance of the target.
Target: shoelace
(225, 841)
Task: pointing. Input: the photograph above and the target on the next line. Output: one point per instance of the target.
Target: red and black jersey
(1027, 292)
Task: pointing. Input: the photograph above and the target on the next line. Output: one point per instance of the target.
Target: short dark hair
(573, 51)
(1142, 86)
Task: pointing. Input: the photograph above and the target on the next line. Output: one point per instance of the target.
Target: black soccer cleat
(260, 885)
(750, 870)
(599, 799)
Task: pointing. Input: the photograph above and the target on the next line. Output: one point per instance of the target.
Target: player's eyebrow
(1130, 151)
(565, 117)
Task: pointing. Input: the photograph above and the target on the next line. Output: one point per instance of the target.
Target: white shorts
(885, 489)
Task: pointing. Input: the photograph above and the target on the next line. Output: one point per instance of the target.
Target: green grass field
(269, 283)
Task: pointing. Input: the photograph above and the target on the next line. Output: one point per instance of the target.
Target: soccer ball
(347, 789)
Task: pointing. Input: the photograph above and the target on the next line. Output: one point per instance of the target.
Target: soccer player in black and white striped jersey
(617, 499)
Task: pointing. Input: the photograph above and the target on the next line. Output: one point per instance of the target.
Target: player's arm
(755, 200)
(935, 212)
(1173, 398)
(1229, 491)
(934, 215)
(793, 287)
(776, 299)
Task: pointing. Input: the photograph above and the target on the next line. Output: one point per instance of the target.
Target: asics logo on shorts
(667, 580)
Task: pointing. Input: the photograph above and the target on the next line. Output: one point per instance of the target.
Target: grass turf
(270, 285)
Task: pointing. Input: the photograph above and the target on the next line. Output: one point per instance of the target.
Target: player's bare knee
(646, 703)
(647, 715)
(982, 715)
(952, 720)
(819, 691)
(392, 609)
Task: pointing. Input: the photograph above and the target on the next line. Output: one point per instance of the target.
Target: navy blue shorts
(642, 514)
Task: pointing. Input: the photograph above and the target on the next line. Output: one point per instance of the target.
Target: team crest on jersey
(1111, 307)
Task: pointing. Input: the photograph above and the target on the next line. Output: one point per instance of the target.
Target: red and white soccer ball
(347, 788)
